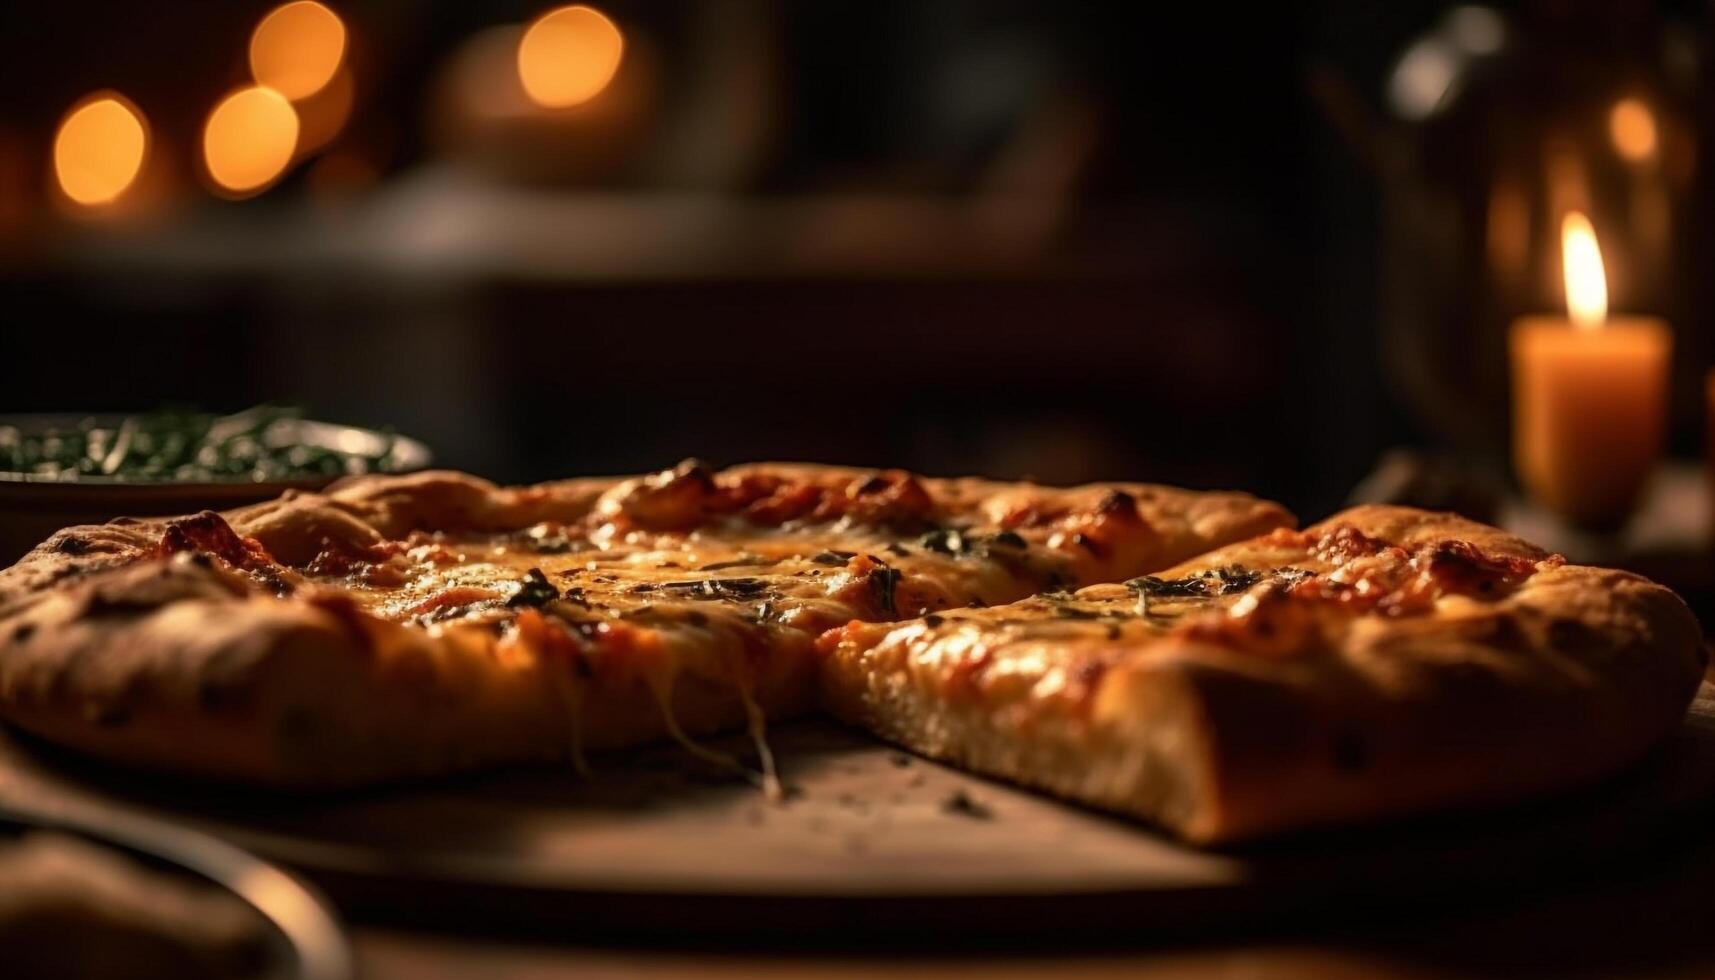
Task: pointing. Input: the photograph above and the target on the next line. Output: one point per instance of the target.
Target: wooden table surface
(1630, 891)
(1654, 921)
(1651, 917)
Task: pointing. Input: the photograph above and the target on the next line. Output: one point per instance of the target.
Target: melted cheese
(727, 588)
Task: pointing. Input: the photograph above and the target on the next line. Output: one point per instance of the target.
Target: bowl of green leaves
(59, 470)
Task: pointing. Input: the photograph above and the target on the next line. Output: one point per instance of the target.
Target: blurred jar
(1500, 126)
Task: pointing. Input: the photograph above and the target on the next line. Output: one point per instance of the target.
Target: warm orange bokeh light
(100, 148)
(568, 55)
(323, 115)
(1586, 279)
(1632, 127)
(249, 139)
(297, 48)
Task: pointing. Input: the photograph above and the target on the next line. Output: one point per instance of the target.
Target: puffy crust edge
(164, 666)
(1576, 677)
(1570, 679)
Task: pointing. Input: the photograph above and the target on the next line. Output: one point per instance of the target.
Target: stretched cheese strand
(661, 686)
(572, 697)
(757, 726)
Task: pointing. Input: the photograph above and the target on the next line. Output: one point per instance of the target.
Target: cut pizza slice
(411, 625)
(1383, 662)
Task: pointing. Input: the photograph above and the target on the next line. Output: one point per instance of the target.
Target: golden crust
(111, 647)
(167, 665)
(1566, 678)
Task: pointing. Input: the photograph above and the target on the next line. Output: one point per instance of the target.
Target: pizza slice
(1383, 662)
(400, 626)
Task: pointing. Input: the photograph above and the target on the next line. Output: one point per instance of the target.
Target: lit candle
(1589, 394)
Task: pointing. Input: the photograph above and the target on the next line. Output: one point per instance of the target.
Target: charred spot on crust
(833, 557)
(875, 484)
(22, 632)
(71, 544)
(1117, 502)
(933, 620)
(534, 592)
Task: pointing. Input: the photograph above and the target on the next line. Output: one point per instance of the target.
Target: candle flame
(1586, 281)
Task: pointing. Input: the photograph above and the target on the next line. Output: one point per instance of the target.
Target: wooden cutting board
(868, 836)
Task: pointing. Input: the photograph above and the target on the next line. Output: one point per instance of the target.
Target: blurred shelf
(445, 221)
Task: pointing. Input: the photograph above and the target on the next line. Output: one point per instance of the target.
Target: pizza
(1181, 657)
(1386, 661)
(412, 625)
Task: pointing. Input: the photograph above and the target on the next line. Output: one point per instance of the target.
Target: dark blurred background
(1203, 243)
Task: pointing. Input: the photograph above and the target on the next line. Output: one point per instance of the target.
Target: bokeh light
(568, 56)
(100, 148)
(323, 115)
(249, 140)
(1632, 126)
(297, 48)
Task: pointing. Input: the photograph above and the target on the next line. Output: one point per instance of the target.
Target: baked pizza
(1386, 661)
(410, 625)
(1071, 639)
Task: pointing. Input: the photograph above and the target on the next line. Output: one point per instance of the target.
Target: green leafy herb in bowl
(58, 470)
(266, 444)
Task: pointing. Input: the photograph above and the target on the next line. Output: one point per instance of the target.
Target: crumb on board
(899, 759)
(959, 803)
